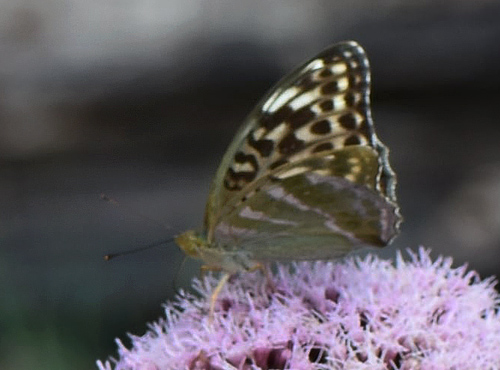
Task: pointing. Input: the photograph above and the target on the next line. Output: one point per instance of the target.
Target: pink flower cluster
(354, 314)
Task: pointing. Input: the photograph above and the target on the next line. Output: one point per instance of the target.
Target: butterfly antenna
(133, 211)
(110, 256)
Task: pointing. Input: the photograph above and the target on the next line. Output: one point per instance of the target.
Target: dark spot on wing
(245, 176)
(290, 145)
(352, 140)
(326, 105)
(357, 81)
(264, 146)
(350, 99)
(230, 184)
(347, 121)
(325, 73)
(301, 117)
(241, 157)
(271, 120)
(235, 180)
(321, 127)
(330, 88)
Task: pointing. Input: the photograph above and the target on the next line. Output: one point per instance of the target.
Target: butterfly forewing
(306, 168)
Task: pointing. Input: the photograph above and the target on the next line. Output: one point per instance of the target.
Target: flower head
(355, 314)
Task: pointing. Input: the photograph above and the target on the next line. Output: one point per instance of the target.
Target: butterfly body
(216, 257)
(306, 177)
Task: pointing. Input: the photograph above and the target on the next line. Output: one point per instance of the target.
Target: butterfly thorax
(196, 245)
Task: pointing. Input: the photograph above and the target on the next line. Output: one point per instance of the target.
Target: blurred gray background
(138, 99)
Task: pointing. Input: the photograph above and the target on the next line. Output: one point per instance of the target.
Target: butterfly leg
(213, 298)
(224, 279)
(215, 294)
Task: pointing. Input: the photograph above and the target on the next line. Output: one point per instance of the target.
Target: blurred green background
(138, 99)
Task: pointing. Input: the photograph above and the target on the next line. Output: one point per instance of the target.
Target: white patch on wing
(258, 133)
(278, 193)
(278, 132)
(342, 84)
(353, 160)
(292, 172)
(339, 102)
(356, 169)
(225, 233)
(334, 182)
(330, 224)
(304, 134)
(338, 142)
(362, 140)
(316, 109)
(279, 99)
(350, 177)
(315, 64)
(242, 167)
(305, 99)
(338, 68)
(323, 172)
(251, 214)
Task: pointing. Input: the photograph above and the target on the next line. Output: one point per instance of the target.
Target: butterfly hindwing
(327, 201)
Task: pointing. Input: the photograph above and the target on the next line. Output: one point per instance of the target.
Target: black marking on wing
(271, 120)
(263, 147)
(290, 145)
(322, 127)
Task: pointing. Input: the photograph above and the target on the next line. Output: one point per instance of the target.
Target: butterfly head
(191, 243)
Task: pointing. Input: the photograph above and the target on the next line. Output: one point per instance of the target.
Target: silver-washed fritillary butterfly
(305, 177)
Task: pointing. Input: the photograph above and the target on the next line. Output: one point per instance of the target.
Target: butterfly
(305, 177)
